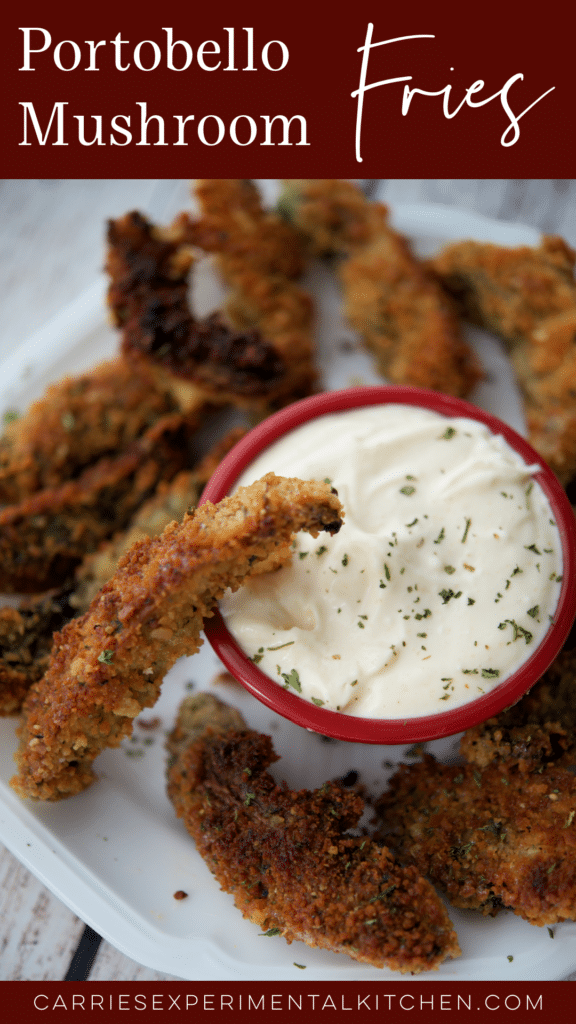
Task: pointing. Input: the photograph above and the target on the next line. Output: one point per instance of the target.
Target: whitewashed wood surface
(51, 248)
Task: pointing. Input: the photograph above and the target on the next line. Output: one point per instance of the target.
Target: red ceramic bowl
(380, 730)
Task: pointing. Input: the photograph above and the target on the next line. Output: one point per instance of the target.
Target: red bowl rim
(336, 724)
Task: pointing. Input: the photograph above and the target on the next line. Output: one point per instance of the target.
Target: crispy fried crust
(77, 421)
(509, 291)
(489, 837)
(45, 536)
(25, 642)
(527, 296)
(406, 321)
(109, 664)
(540, 729)
(286, 856)
(169, 504)
(260, 364)
(412, 331)
(333, 217)
(148, 296)
(258, 255)
(26, 633)
(244, 235)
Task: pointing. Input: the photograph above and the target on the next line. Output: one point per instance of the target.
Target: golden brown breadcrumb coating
(407, 322)
(268, 359)
(148, 268)
(169, 504)
(527, 296)
(258, 255)
(45, 536)
(539, 729)
(332, 215)
(245, 236)
(288, 858)
(489, 837)
(25, 642)
(109, 664)
(26, 632)
(77, 421)
(413, 333)
(509, 291)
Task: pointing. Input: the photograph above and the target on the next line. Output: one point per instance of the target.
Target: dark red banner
(368, 90)
(57, 1002)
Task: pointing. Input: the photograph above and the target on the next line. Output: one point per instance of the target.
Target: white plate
(116, 854)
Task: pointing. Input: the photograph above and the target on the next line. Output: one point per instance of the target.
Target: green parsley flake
(291, 679)
(519, 631)
(407, 490)
(106, 657)
(316, 700)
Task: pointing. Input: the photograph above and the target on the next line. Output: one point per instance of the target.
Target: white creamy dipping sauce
(441, 582)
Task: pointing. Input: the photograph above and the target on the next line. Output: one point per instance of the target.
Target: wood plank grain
(52, 241)
(111, 965)
(38, 934)
(548, 204)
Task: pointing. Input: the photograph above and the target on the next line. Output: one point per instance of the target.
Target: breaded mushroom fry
(288, 858)
(527, 296)
(490, 837)
(77, 421)
(406, 320)
(26, 633)
(109, 664)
